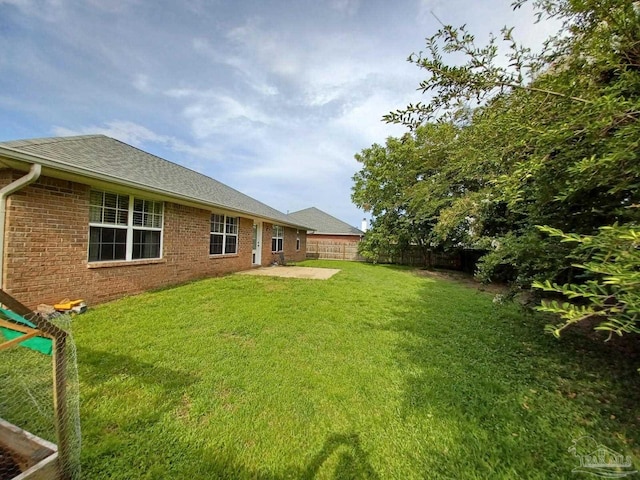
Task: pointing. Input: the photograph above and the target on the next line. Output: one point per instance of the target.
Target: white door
(256, 253)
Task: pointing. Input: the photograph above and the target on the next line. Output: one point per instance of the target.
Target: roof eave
(340, 234)
(30, 158)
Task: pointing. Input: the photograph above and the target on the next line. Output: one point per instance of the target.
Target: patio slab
(312, 273)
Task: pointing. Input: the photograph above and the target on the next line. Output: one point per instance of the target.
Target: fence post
(60, 404)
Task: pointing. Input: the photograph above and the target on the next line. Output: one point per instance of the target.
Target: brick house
(94, 218)
(328, 237)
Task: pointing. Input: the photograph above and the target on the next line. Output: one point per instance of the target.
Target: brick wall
(47, 238)
(290, 252)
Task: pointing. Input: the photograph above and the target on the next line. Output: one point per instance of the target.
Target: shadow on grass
(164, 449)
(353, 461)
(121, 397)
(98, 366)
(510, 397)
(340, 458)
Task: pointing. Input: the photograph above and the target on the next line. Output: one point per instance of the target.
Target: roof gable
(322, 222)
(111, 158)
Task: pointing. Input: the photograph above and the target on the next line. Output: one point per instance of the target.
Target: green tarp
(40, 344)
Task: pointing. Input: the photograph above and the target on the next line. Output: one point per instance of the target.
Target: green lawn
(375, 373)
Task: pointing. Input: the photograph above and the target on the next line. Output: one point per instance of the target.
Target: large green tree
(546, 145)
(384, 187)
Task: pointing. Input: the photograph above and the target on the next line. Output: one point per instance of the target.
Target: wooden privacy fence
(464, 259)
(333, 250)
(416, 258)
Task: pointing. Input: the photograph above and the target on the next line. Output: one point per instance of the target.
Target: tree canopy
(535, 162)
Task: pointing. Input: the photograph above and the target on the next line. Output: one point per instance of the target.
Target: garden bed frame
(43, 460)
(34, 457)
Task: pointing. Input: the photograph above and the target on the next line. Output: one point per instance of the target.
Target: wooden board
(38, 458)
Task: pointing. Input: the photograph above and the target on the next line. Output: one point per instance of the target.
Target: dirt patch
(244, 340)
(465, 279)
(184, 408)
(311, 273)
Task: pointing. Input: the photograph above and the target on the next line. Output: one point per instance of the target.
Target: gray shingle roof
(105, 156)
(322, 222)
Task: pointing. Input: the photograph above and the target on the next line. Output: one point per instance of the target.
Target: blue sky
(273, 98)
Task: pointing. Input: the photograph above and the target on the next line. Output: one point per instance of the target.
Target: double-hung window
(122, 227)
(147, 228)
(297, 240)
(277, 239)
(224, 234)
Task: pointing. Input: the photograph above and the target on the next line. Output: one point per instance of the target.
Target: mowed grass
(376, 373)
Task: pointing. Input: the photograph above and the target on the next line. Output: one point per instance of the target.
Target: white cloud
(363, 122)
(128, 132)
(274, 98)
(333, 89)
(211, 113)
(348, 7)
(141, 83)
(322, 67)
(252, 77)
(203, 156)
(275, 51)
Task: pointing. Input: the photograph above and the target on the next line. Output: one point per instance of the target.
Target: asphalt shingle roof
(109, 157)
(322, 222)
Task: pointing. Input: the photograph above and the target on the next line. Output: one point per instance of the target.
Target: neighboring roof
(105, 158)
(322, 222)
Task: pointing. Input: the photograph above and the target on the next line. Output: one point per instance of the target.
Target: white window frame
(129, 227)
(225, 234)
(278, 235)
(297, 240)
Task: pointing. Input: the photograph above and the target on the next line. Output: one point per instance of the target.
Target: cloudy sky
(273, 98)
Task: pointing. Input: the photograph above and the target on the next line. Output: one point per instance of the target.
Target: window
(277, 240)
(122, 227)
(107, 244)
(297, 240)
(224, 234)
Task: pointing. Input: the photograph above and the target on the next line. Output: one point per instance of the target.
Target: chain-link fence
(39, 415)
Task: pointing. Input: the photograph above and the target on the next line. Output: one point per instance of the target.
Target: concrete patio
(293, 272)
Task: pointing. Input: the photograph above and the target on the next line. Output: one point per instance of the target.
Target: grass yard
(375, 373)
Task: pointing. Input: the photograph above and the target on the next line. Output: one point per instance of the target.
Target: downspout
(29, 178)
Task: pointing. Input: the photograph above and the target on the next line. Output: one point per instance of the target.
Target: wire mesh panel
(39, 414)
